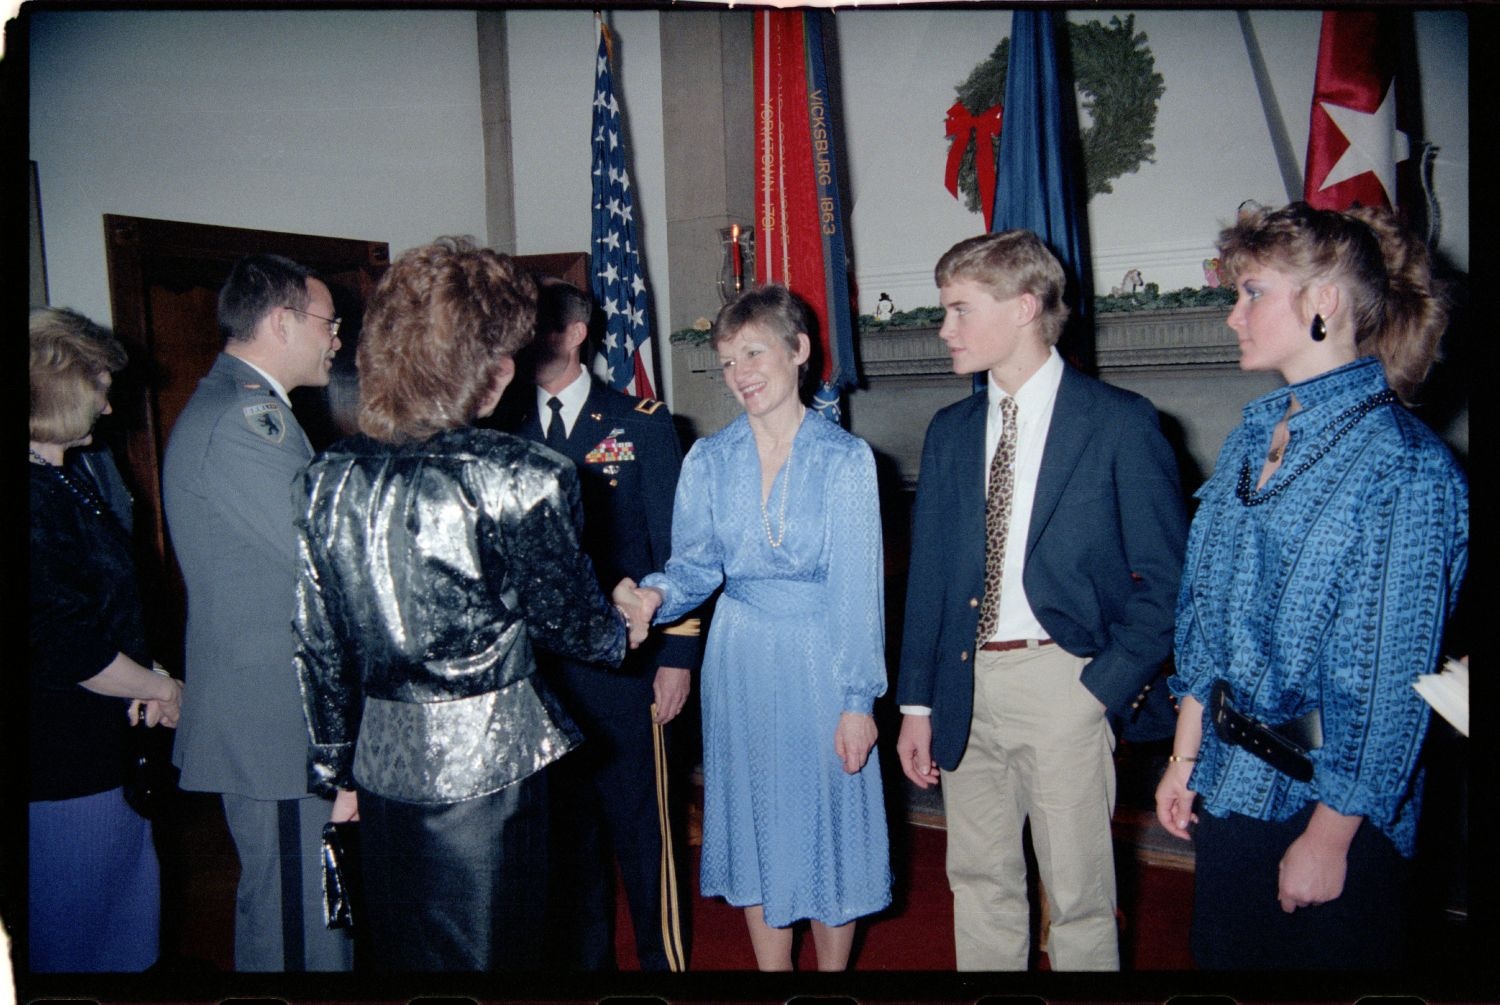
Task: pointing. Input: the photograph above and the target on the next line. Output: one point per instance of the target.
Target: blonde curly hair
(1399, 308)
(441, 321)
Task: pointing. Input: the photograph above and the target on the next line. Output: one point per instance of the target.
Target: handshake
(637, 605)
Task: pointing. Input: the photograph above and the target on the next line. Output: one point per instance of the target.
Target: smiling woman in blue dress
(1328, 547)
(780, 508)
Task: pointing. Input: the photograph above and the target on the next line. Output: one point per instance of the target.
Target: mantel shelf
(1194, 337)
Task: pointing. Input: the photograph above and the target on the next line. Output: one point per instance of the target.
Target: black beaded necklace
(1349, 418)
(83, 493)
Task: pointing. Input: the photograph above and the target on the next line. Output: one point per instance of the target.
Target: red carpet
(916, 932)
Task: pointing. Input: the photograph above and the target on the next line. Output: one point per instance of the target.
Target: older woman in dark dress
(434, 557)
(94, 891)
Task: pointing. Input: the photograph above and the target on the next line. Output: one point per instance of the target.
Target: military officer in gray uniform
(227, 491)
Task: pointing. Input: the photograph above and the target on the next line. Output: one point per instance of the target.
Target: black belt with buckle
(1283, 747)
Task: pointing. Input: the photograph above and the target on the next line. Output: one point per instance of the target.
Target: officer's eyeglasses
(332, 323)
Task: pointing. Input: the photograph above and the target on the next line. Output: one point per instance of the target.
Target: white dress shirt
(1034, 402)
(572, 397)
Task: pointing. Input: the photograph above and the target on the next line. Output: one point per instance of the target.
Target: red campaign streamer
(789, 246)
(984, 127)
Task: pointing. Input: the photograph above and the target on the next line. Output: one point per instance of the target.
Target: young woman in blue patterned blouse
(1326, 553)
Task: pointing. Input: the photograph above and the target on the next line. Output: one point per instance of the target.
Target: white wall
(900, 70)
(355, 124)
(1442, 39)
(366, 124)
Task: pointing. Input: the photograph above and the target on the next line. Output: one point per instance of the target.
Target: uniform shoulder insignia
(266, 421)
(648, 406)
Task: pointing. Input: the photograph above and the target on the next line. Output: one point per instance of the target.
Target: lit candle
(737, 258)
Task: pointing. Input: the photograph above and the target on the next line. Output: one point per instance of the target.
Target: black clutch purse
(150, 777)
(340, 874)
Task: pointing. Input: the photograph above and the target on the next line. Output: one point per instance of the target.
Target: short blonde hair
(441, 321)
(1008, 264)
(69, 356)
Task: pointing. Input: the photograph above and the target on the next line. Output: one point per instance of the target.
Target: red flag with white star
(1353, 145)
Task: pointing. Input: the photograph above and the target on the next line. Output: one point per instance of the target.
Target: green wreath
(1117, 76)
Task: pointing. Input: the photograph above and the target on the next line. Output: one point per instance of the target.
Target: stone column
(494, 102)
(708, 125)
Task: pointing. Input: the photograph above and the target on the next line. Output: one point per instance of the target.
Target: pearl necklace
(1349, 417)
(83, 493)
(765, 518)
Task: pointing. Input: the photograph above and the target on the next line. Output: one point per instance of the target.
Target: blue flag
(618, 282)
(840, 319)
(1039, 181)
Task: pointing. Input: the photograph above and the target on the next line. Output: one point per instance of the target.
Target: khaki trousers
(1039, 748)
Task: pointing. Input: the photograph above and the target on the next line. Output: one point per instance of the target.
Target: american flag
(618, 283)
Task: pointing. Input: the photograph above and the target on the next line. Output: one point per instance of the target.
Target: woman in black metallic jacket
(434, 556)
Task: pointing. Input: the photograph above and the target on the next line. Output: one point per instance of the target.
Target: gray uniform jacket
(227, 490)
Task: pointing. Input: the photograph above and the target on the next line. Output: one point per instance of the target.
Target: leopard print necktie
(997, 518)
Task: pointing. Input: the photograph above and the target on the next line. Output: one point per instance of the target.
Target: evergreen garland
(1149, 299)
(1115, 72)
(1152, 299)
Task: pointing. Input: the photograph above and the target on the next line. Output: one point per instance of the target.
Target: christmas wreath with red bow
(1113, 70)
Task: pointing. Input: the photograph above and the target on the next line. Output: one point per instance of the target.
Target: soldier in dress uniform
(611, 795)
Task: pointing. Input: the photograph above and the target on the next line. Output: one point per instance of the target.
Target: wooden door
(570, 266)
(164, 279)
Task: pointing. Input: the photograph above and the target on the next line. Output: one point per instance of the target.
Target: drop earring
(1319, 328)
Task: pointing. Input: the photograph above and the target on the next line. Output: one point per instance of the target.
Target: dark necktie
(997, 518)
(557, 437)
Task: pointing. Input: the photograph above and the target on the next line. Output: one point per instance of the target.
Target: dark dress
(94, 879)
(427, 572)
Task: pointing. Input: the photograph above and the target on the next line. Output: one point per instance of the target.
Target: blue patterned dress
(797, 639)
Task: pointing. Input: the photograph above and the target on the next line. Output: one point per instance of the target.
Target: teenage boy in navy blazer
(1026, 637)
